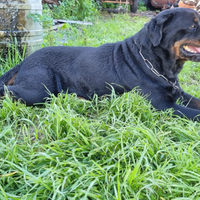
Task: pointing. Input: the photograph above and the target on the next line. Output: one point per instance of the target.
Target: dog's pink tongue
(194, 49)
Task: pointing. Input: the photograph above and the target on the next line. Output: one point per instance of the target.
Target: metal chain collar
(147, 62)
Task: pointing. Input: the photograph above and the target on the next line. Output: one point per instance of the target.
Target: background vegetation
(115, 148)
(74, 9)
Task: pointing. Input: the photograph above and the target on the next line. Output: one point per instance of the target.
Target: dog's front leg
(190, 113)
(190, 101)
(166, 102)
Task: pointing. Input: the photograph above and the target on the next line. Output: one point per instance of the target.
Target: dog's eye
(193, 26)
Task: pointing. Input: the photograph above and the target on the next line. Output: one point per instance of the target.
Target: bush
(75, 10)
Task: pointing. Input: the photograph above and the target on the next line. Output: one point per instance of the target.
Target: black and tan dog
(149, 60)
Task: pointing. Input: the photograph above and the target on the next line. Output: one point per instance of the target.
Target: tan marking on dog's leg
(11, 81)
(82, 98)
(197, 104)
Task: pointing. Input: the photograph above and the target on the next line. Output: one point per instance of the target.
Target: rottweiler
(150, 60)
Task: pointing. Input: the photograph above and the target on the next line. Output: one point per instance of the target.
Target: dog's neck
(150, 66)
(163, 61)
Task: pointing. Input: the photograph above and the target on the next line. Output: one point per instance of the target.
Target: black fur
(93, 70)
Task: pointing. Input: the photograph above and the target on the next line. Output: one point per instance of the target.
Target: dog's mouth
(191, 49)
(191, 52)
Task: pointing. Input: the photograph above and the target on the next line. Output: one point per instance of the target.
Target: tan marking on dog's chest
(12, 80)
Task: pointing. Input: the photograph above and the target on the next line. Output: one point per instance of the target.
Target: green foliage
(116, 147)
(141, 6)
(46, 19)
(110, 5)
(105, 29)
(13, 57)
(75, 10)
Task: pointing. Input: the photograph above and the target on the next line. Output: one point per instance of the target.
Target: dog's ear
(155, 27)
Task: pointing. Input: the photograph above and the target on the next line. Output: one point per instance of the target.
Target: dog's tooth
(188, 49)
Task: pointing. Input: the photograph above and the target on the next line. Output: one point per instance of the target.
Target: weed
(75, 10)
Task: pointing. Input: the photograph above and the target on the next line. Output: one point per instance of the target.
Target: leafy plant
(75, 9)
(46, 19)
(141, 6)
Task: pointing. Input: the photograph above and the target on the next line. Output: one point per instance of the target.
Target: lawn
(113, 148)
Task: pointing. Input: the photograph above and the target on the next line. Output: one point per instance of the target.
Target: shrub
(75, 10)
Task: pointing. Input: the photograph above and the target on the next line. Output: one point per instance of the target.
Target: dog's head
(177, 30)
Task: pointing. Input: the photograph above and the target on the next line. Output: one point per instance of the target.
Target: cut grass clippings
(114, 148)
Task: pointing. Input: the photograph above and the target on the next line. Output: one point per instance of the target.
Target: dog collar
(150, 66)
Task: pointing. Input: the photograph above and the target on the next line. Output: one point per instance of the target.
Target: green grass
(114, 148)
(110, 28)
